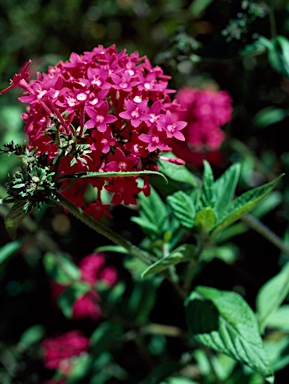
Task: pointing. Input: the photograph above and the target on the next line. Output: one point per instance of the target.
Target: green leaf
(177, 172)
(91, 175)
(208, 196)
(32, 335)
(183, 208)
(70, 295)
(268, 116)
(243, 204)
(14, 218)
(9, 249)
(80, 368)
(183, 253)
(197, 7)
(271, 296)
(224, 188)
(60, 268)
(153, 213)
(105, 335)
(279, 319)
(205, 219)
(278, 55)
(223, 321)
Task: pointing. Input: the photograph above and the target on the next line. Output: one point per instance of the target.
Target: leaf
(271, 296)
(243, 204)
(181, 254)
(205, 219)
(225, 186)
(9, 249)
(14, 218)
(80, 368)
(183, 208)
(268, 116)
(207, 196)
(90, 175)
(70, 295)
(279, 318)
(32, 335)
(177, 172)
(153, 213)
(223, 321)
(197, 7)
(60, 268)
(105, 335)
(278, 55)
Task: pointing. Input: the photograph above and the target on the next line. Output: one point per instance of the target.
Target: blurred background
(202, 43)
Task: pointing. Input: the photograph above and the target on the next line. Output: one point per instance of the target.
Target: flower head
(205, 111)
(100, 111)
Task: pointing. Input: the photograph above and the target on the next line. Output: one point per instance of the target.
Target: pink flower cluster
(116, 106)
(205, 111)
(92, 270)
(61, 351)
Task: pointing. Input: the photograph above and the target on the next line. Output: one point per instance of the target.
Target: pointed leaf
(181, 254)
(223, 321)
(271, 296)
(243, 204)
(208, 196)
(225, 187)
(183, 208)
(14, 218)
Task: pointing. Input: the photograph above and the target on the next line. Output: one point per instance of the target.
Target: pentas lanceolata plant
(205, 111)
(101, 112)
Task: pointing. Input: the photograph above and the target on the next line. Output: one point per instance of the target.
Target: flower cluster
(60, 352)
(101, 111)
(205, 111)
(92, 271)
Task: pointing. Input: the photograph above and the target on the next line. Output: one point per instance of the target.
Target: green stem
(259, 227)
(192, 268)
(104, 231)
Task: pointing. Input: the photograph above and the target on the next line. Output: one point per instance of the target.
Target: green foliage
(223, 321)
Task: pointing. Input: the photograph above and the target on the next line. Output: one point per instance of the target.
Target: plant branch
(259, 227)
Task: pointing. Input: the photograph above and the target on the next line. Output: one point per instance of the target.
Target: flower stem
(259, 227)
(104, 231)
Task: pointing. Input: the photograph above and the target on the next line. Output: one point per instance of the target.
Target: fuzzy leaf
(271, 296)
(183, 208)
(223, 321)
(14, 218)
(243, 204)
(181, 254)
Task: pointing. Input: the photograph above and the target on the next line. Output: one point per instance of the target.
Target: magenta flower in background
(92, 270)
(205, 111)
(105, 103)
(60, 351)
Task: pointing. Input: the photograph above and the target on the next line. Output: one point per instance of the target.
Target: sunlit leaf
(223, 321)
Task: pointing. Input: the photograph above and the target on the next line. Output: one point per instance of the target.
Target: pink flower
(59, 350)
(93, 110)
(205, 111)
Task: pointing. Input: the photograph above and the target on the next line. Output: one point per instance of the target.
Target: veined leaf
(14, 218)
(271, 296)
(243, 204)
(91, 175)
(181, 254)
(183, 208)
(225, 186)
(223, 321)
